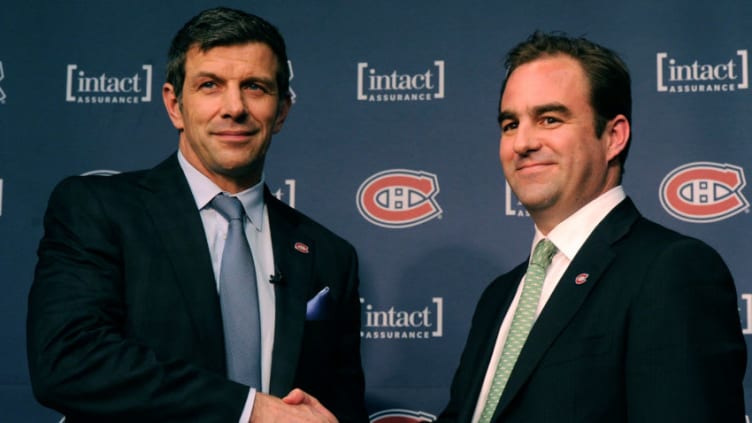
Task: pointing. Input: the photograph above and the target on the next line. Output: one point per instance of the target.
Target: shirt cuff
(245, 417)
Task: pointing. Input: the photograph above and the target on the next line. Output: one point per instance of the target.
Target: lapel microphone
(277, 278)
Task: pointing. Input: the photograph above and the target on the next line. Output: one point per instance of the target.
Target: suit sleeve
(348, 399)
(81, 362)
(686, 356)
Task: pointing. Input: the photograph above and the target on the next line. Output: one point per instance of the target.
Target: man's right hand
(296, 407)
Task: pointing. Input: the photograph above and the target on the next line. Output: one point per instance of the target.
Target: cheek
(506, 153)
(199, 112)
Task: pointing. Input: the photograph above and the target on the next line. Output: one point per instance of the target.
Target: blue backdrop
(392, 142)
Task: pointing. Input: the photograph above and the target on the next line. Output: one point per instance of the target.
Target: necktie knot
(229, 207)
(543, 254)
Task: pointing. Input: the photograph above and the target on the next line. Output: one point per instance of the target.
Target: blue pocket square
(318, 306)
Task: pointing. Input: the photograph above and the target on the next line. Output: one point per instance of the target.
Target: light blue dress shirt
(259, 238)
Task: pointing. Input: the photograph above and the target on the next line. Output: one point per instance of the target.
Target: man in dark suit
(125, 321)
(629, 321)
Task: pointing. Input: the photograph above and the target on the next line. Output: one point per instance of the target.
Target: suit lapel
(504, 289)
(293, 258)
(177, 224)
(592, 259)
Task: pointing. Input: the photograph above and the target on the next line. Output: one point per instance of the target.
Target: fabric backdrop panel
(392, 142)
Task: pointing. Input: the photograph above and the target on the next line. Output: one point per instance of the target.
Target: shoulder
(303, 224)
(632, 235)
(655, 238)
(665, 259)
(120, 184)
(82, 189)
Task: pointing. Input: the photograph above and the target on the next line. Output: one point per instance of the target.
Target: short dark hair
(608, 76)
(225, 27)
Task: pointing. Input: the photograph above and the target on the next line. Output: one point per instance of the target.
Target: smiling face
(549, 150)
(228, 111)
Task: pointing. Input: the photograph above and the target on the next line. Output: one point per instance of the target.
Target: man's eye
(505, 127)
(255, 87)
(208, 84)
(548, 120)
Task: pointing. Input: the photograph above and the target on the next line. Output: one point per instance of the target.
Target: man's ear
(284, 108)
(172, 104)
(617, 136)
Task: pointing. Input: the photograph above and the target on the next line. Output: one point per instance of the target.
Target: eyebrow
(212, 75)
(504, 115)
(201, 75)
(552, 107)
(538, 111)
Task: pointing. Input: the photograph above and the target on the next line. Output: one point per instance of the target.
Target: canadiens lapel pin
(581, 278)
(301, 248)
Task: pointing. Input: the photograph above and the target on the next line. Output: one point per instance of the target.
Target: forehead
(549, 79)
(255, 56)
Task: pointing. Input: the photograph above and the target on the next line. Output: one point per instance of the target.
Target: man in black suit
(125, 322)
(632, 322)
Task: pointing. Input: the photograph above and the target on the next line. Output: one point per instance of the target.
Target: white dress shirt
(568, 236)
(258, 233)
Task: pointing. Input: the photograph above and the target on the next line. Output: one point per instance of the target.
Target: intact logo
(422, 321)
(2, 76)
(377, 86)
(399, 198)
(512, 205)
(286, 194)
(703, 192)
(691, 75)
(292, 93)
(95, 87)
(398, 415)
(746, 311)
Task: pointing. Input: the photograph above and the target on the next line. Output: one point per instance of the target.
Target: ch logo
(399, 415)
(702, 192)
(399, 198)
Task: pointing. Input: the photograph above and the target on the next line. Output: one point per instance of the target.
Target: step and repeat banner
(392, 142)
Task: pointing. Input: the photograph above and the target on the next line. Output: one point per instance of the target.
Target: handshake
(297, 406)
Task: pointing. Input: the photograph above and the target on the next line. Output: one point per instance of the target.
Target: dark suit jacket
(124, 322)
(653, 335)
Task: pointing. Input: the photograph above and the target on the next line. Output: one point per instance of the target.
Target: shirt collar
(572, 232)
(204, 190)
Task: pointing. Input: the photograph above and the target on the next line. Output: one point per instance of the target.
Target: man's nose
(234, 104)
(526, 139)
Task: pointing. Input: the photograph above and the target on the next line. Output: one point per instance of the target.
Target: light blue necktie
(522, 322)
(238, 297)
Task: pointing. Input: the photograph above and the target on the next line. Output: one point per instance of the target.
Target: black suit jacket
(653, 335)
(124, 322)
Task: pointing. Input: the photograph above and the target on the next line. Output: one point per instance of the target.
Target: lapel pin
(301, 248)
(581, 278)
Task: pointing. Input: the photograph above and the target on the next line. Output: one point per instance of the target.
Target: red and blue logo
(703, 192)
(398, 415)
(399, 198)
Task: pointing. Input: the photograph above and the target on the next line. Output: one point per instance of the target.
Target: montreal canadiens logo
(703, 192)
(397, 415)
(399, 198)
(101, 172)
